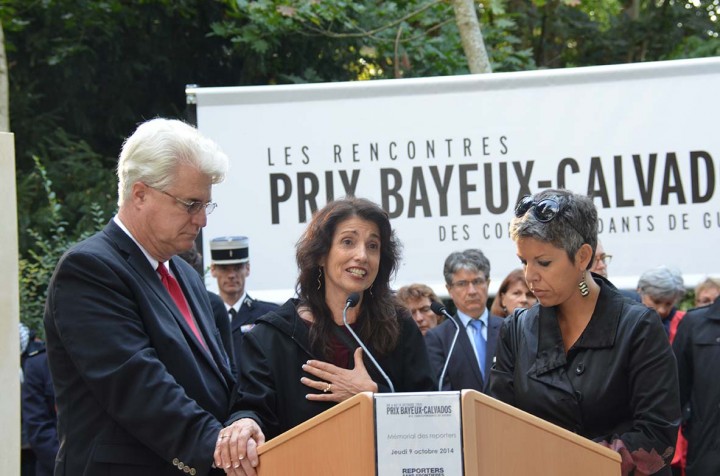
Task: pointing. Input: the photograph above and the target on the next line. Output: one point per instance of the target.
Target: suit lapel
(493, 331)
(137, 260)
(236, 323)
(244, 316)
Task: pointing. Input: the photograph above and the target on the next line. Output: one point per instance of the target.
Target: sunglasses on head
(544, 210)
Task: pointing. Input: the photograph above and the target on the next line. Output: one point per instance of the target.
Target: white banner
(449, 157)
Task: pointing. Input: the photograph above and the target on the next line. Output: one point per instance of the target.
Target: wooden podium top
(498, 440)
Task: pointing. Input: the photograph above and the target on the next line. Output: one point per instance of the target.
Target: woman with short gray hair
(585, 358)
(661, 289)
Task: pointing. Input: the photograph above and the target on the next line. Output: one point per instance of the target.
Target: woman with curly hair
(300, 359)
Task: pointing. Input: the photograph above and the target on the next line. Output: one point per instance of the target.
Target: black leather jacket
(618, 381)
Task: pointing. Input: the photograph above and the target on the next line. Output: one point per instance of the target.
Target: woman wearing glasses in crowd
(586, 359)
(300, 360)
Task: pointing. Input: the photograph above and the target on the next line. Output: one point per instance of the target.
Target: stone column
(9, 312)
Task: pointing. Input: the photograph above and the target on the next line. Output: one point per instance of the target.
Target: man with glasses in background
(143, 383)
(467, 278)
(601, 262)
(600, 266)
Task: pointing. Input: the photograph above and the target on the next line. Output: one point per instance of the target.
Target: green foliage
(97, 68)
(339, 40)
(696, 47)
(566, 33)
(506, 49)
(83, 74)
(74, 181)
(688, 301)
(45, 251)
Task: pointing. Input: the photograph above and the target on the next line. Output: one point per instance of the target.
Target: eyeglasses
(604, 258)
(192, 207)
(544, 211)
(477, 282)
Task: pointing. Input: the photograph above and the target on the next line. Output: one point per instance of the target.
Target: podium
(498, 440)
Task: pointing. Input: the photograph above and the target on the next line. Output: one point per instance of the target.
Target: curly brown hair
(377, 317)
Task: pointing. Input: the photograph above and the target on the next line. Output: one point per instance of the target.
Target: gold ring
(327, 389)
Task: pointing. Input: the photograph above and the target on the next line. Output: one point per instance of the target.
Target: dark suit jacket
(136, 393)
(463, 371)
(697, 349)
(250, 311)
(223, 324)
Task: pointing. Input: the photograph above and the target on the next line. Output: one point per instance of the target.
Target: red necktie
(176, 293)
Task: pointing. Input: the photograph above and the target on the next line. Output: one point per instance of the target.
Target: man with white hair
(143, 384)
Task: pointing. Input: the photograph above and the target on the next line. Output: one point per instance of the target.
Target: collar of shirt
(599, 333)
(153, 262)
(465, 319)
(237, 305)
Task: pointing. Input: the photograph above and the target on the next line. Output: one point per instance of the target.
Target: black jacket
(618, 381)
(222, 321)
(136, 392)
(250, 311)
(463, 371)
(272, 356)
(697, 349)
(38, 411)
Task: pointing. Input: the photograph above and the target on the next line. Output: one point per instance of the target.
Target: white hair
(153, 152)
(662, 282)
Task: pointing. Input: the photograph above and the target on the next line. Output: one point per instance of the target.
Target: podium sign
(418, 434)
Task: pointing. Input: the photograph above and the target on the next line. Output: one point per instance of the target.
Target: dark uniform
(234, 250)
(38, 410)
(244, 320)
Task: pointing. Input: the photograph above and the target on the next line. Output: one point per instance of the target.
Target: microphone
(352, 301)
(441, 310)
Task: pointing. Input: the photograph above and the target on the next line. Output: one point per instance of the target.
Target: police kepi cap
(229, 250)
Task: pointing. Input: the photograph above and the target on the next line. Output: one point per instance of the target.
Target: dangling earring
(584, 290)
(319, 278)
(370, 289)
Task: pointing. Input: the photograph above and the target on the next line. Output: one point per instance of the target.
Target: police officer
(230, 265)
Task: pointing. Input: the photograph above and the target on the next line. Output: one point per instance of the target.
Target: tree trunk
(4, 95)
(632, 9)
(472, 39)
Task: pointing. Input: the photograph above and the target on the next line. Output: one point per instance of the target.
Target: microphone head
(438, 308)
(352, 300)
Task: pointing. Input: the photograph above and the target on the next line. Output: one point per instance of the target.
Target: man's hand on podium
(236, 448)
